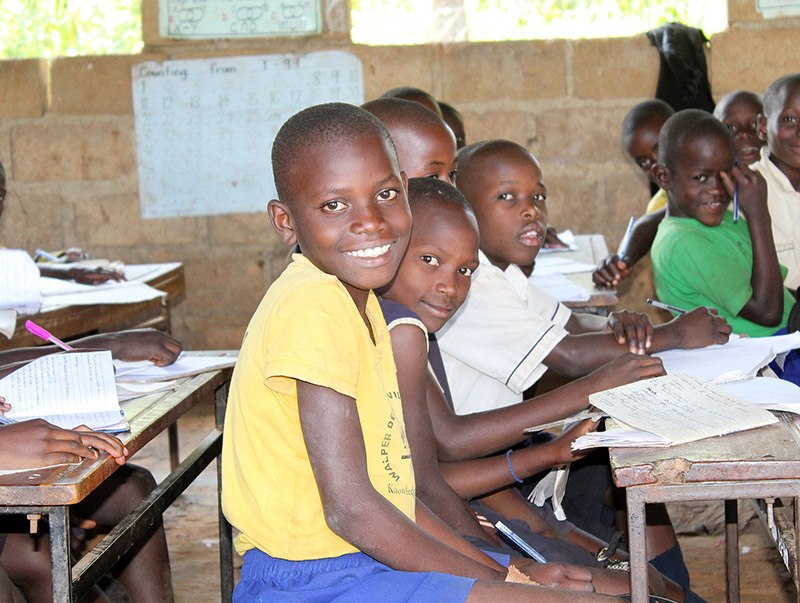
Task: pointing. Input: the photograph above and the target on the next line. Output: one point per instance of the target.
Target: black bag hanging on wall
(683, 75)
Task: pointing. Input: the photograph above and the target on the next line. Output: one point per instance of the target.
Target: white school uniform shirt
(495, 345)
(784, 209)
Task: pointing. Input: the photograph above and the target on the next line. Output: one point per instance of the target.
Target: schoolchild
(434, 279)
(702, 256)
(317, 471)
(453, 118)
(739, 111)
(425, 145)
(416, 95)
(780, 167)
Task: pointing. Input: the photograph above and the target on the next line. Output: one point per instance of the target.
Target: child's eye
(464, 271)
(433, 176)
(333, 206)
(453, 175)
(790, 119)
(505, 197)
(701, 178)
(431, 260)
(540, 198)
(387, 195)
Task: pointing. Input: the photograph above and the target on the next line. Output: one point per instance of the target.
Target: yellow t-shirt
(658, 201)
(307, 328)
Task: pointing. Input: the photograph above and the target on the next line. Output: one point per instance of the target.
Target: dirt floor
(193, 541)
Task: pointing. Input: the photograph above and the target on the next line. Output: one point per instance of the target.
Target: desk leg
(174, 454)
(637, 545)
(225, 536)
(732, 549)
(60, 558)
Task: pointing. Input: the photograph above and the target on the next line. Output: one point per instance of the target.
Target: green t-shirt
(697, 265)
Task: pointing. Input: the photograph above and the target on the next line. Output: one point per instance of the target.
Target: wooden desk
(75, 321)
(760, 463)
(591, 250)
(51, 491)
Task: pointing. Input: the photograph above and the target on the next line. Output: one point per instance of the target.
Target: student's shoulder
(397, 314)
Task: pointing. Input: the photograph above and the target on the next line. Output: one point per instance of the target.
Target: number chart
(205, 127)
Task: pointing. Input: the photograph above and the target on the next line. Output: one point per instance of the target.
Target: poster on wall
(204, 127)
(773, 9)
(187, 19)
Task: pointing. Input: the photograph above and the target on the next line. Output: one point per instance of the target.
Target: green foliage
(49, 28)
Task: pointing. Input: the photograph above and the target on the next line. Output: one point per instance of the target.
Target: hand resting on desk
(37, 443)
(139, 344)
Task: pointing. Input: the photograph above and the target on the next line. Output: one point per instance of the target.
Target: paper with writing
(67, 390)
(680, 408)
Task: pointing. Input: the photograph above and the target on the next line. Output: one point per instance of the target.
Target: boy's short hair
(641, 113)
(738, 96)
(321, 124)
(772, 97)
(416, 95)
(423, 191)
(686, 126)
(397, 112)
(477, 150)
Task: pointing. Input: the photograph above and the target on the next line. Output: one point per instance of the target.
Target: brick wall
(67, 142)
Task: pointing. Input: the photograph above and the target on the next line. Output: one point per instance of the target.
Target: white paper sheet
(67, 390)
(66, 293)
(19, 282)
(736, 360)
(560, 287)
(680, 408)
(184, 366)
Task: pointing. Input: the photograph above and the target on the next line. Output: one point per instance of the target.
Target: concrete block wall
(68, 144)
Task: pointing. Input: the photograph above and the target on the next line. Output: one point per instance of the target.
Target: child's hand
(626, 369)
(4, 406)
(562, 445)
(37, 443)
(94, 276)
(558, 575)
(610, 272)
(139, 344)
(752, 190)
(633, 328)
(699, 328)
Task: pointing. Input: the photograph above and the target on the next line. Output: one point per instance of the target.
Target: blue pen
(736, 197)
(626, 239)
(519, 542)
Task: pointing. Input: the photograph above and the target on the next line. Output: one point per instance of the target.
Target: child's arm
(138, 344)
(613, 270)
(577, 355)
(85, 276)
(481, 476)
(409, 345)
(765, 306)
(469, 436)
(353, 508)
(37, 443)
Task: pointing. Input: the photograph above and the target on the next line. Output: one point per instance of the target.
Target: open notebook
(67, 390)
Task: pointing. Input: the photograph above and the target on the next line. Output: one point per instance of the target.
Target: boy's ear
(762, 126)
(661, 176)
(281, 219)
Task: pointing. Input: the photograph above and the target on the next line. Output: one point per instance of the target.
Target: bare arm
(353, 508)
(765, 306)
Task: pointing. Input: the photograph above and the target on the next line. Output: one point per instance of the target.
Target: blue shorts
(350, 578)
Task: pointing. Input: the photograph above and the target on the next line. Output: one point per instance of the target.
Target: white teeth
(372, 252)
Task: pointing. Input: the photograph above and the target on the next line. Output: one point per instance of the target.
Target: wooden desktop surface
(148, 416)
(75, 321)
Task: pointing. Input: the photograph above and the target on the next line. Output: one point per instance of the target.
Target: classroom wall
(67, 141)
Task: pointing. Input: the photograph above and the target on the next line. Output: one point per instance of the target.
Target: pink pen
(47, 335)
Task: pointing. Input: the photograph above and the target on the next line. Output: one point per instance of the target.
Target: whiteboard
(205, 127)
(189, 19)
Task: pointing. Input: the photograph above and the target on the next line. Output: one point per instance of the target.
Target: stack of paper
(57, 293)
(67, 390)
(561, 264)
(558, 286)
(185, 366)
(19, 288)
(669, 410)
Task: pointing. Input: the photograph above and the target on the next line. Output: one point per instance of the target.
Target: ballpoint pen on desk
(626, 239)
(519, 542)
(658, 304)
(47, 335)
(736, 197)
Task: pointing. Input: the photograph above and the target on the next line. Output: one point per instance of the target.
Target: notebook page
(78, 383)
(736, 360)
(19, 282)
(680, 408)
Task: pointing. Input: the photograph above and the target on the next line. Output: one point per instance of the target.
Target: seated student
(701, 256)
(317, 471)
(780, 167)
(415, 95)
(80, 275)
(453, 119)
(144, 572)
(434, 279)
(425, 145)
(739, 111)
